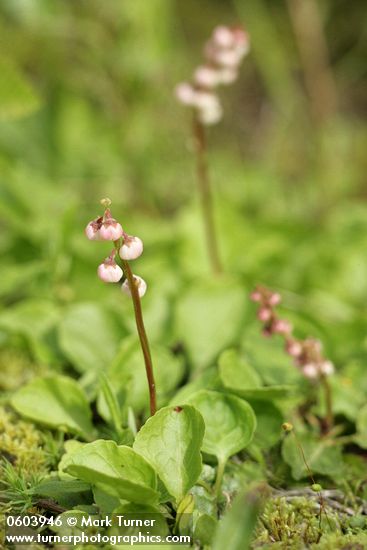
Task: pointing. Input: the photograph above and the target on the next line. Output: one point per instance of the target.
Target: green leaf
(108, 405)
(229, 422)
(56, 401)
(66, 493)
(266, 393)
(171, 441)
(156, 522)
(205, 529)
(269, 424)
(127, 373)
(209, 317)
(321, 455)
(89, 337)
(268, 358)
(235, 531)
(207, 379)
(236, 372)
(116, 470)
(17, 96)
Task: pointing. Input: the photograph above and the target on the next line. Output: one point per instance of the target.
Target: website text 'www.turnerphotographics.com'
(79, 528)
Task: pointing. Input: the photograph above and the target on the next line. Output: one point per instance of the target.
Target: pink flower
(264, 314)
(281, 326)
(185, 93)
(256, 296)
(274, 299)
(227, 75)
(310, 371)
(109, 271)
(111, 230)
(223, 37)
(327, 368)
(131, 249)
(294, 348)
(140, 283)
(92, 229)
(206, 77)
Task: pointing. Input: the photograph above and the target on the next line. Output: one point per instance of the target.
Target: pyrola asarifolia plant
(126, 248)
(223, 54)
(307, 354)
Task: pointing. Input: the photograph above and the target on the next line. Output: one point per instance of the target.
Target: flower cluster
(307, 354)
(223, 54)
(127, 247)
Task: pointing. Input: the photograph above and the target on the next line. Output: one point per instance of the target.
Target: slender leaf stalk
(219, 478)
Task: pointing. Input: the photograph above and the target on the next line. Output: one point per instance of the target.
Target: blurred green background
(87, 110)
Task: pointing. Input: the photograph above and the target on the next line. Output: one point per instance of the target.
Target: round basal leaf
(236, 372)
(156, 523)
(230, 422)
(127, 373)
(266, 393)
(269, 424)
(207, 379)
(200, 315)
(89, 337)
(171, 441)
(56, 401)
(269, 359)
(321, 456)
(117, 470)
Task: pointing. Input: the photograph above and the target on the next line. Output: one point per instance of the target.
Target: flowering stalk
(307, 354)
(126, 247)
(142, 335)
(223, 54)
(206, 194)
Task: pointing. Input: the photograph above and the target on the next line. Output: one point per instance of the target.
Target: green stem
(141, 331)
(206, 195)
(219, 478)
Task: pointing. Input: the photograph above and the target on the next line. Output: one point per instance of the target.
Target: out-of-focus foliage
(87, 111)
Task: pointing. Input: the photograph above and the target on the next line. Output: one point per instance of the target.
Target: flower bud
(209, 108)
(140, 283)
(316, 487)
(185, 93)
(207, 77)
(111, 230)
(92, 229)
(91, 232)
(310, 371)
(281, 326)
(287, 426)
(274, 299)
(223, 37)
(109, 272)
(293, 348)
(327, 368)
(210, 115)
(227, 75)
(131, 249)
(256, 296)
(228, 58)
(264, 314)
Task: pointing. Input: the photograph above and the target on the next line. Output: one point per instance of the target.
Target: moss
(293, 524)
(16, 369)
(21, 443)
(342, 542)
